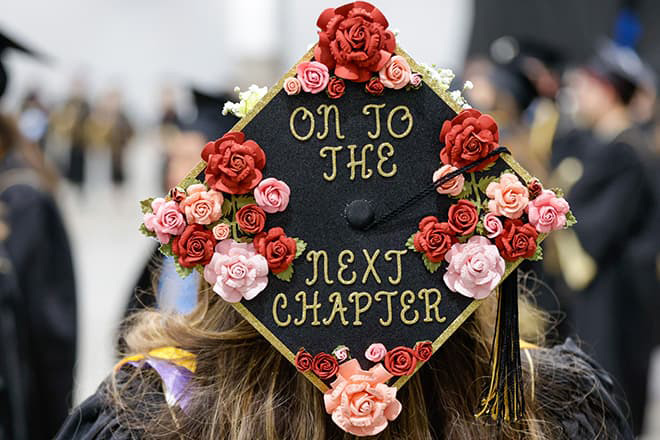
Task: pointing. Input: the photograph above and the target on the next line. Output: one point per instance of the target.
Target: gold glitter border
(460, 319)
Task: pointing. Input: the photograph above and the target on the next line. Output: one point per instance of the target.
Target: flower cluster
(497, 219)
(219, 226)
(247, 100)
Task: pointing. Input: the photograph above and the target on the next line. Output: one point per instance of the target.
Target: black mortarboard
(357, 215)
(208, 119)
(7, 42)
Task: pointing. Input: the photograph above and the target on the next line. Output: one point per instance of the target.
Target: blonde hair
(244, 389)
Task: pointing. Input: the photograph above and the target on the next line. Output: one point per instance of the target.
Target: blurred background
(108, 102)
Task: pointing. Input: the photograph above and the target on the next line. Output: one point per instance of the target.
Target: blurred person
(610, 260)
(66, 139)
(108, 132)
(38, 307)
(33, 118)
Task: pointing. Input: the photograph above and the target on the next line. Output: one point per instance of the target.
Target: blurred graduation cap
(8, 43)
(209, 120)
(357, 215)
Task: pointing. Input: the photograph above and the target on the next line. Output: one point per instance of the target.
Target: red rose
(336, 88)
(354, 41)
(400, 361)
(518, 240)
(278, 249)
(303, 361)
(233, 164)
(194, 246)
(423, 350)
(434, 238)
(177, 194)
(325, 365)
(535, 188)
(469, 136)
(463, 217)
(375, 87)
(251, 219)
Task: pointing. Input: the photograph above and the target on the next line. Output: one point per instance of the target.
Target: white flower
(247, 100)
(468, 85)
(442, 77)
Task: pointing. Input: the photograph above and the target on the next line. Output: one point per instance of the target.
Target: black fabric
(38, 248)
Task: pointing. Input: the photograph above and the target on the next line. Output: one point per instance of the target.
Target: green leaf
(508, 171)
(410, 243)
(286, 275)
(145, 205)
(484, 182)
(244, 200)
(430, 266)
(226, 207)
(558, 192)
(300, 246)
(480, 228)
(188, 181)
(466, 192)
(146, 232)
(570, 219)
(538, 255)
(489, 166)
(183, 272)
(166, 249)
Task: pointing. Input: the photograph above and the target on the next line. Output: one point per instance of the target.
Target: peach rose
(547, 212)
(272, 195)
(396, 73)
(292, 85)
(509, 197)
(359, 401)
(375, 352)
(452, 187)
(221, 231)
(201, 206)
(313, 76)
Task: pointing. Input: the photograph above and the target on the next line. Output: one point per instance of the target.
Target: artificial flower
(375, 352)
(272, 195)
(313, 76)
(375, 87)
(341, 353)
(518, 240)
(508, 197)
(492, 225)
(396, 73)
(177, 194)
(535, 188)
(416, 80)
(201, 206)
(292, 85)
(354, 41)
(468, 137)
(303, 361)
(547, 212)
(279, 250)
(325, 366)
(359, 401)
(165, 221)
(221, 231)
(236, 271)
(453, 186)
(475, 267)
(336, 88)
(434, 238)
(463, 217)
(423, 350)
(251, 219)
(194, 246)
(233, 164)
(247, 100)
(400, 361)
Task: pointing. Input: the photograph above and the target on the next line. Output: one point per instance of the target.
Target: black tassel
(504, 399)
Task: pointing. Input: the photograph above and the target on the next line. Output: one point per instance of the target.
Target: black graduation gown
(38, 248)
(590, 387)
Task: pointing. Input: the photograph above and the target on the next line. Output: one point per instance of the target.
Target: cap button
(359, 214)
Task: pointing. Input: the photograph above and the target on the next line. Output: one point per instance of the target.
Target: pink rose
(547, 212)
(492, 225)
(313, 76)
(359, 401)
(236, 271)
(452, 187)
(201, 206)
(166, 220)
(221, 231)
(396, 73)
(375, 352)
(341, 353)
(292, 85)
(475, 267)
(509, 197)
(416, 80)
(272, 195)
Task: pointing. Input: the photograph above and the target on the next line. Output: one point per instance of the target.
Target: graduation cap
(7, 42)
(209, 120)
(357, 215)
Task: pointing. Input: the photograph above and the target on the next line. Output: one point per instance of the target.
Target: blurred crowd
(591, 128)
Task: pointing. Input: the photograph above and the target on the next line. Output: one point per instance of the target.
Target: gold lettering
(338, 307)
(355, 297)
(314, 257)
(280, 297)
(352, 164)
(371, 260)
(301, 297)
(406, 116)
(323, 152)
(425, 295)
(405, 307)
(306, 114)
(384, 157)
(389, 255)
(350, 257)
(324, 109)
(366, 110)
(388, 296)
